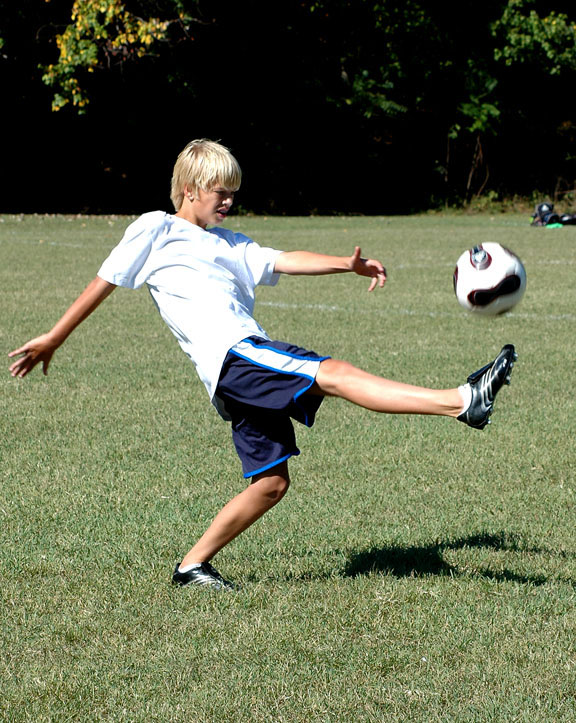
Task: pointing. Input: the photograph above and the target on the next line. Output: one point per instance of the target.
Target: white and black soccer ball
(489, 279)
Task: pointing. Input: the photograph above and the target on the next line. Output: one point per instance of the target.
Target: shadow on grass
(429, 559)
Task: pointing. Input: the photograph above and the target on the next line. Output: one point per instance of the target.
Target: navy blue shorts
(263, 386)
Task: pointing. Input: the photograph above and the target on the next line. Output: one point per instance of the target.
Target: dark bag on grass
(544, 215)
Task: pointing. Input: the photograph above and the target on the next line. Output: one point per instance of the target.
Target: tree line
(330, 106)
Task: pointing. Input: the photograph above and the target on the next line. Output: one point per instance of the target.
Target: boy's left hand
(368, 267)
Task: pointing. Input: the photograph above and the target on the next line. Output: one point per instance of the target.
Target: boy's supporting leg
(340, 379)
(265, 491)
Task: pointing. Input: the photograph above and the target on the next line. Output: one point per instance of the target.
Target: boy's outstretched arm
(308, 262)
(43, 347)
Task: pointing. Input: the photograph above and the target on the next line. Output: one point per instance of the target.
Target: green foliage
(548, 42)
(433, 94)
(369, 96)
(101, 33)
(382, 78)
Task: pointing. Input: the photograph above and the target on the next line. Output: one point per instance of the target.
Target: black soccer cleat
(204, 576)
(485, 385)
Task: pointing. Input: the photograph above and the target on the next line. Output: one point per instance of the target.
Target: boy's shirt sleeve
(261, 260)
(126, 264)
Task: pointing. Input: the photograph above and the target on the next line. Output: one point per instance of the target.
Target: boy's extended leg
(265, 491)
(340, 379)
(471, 403)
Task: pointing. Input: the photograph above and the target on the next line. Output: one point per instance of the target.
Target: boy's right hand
(33, 352)
(43, 347)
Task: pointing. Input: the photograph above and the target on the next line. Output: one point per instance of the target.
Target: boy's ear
(188, 193)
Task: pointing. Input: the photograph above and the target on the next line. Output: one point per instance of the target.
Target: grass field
(416, 571)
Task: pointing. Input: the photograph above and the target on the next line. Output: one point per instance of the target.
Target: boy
(202, 281)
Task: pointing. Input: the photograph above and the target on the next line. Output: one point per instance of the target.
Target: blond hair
(203, 164)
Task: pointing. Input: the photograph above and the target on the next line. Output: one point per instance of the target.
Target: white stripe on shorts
(277, 360)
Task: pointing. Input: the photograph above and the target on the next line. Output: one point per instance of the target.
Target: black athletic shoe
(205, 576)
(485, 385)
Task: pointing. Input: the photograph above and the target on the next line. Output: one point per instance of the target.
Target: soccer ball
(489, 279)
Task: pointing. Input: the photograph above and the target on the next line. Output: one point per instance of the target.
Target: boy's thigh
(271, 376)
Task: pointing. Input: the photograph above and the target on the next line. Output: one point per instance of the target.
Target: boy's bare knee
(273, 486)
(332, 374)
(278, 488)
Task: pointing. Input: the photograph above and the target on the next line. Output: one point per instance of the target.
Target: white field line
(42, 242)
(389, 312)
(405, 312)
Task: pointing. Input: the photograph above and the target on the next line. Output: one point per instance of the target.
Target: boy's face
(208, 208)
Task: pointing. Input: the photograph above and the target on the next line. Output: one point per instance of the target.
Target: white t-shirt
(202, 282)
